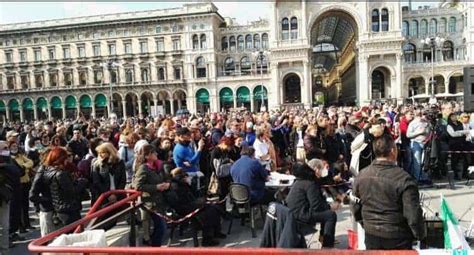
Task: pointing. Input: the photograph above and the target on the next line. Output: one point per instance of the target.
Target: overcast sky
(13, 12)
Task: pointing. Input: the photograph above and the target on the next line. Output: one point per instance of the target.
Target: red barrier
(39, 245)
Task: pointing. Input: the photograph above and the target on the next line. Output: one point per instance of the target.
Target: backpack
(222, 169)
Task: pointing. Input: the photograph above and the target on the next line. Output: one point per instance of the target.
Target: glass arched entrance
(71, 107)
(42, 108)
(243, 97)
(28, 113)
(86, 105)
(14, 108)
(292, 89)
(203, 103)
(380, 83)
(100, 105)
(56, 108)
(226, 99)
(260, 97)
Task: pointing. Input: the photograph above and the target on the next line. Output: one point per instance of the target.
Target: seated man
(248, 171)
(307, 203)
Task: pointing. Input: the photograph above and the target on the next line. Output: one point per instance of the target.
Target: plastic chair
(239, 195)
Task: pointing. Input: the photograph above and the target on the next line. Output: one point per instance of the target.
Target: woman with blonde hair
(165, 128)
(108, 172)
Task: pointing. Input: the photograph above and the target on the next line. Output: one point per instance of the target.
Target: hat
(315, 163)
(183, 131)
(11, 133)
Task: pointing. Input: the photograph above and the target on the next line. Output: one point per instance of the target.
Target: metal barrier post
(133, 228)
(450, 173)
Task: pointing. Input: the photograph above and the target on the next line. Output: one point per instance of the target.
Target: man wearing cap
(12, 135)
(185, 157)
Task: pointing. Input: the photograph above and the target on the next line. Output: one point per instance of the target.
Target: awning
(85, 101)
(260, 91)
(56, 103)
(28, 104)
(100, 101)
(243, 95)
(202, 96)
(71, 102)
(2, 106)
(13, 105)
(226, 95)
(42, 104)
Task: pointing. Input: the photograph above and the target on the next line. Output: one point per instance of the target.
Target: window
(96, 50)
(240, 42)
(113, 76)
(232, 43)
(83, 78)
(160, 45)
(174, 28)
(53, 80)
(442, 25)
(384, 19)
(200, 68)
(262, 64)
(52, 54)
(229, 66)
(24, 81)
(142, 30)
(129, 76)
(158, 29)
(285, 27)
(248, 42)
(414, 28)
(265, 41)
(294, 28)
(112, 49)
(143, 47)
(177, 73)
(111, 33)
(128, 47)
(433, 27)
(405, 28)
(375, 20)
(176, 44)
(8, 57)
(448, 50)
(409, 51)
(161, 73)
(81, 51)
(66, 52)
(68, 79)
(96, 35)
(224, 43)
(11, 82)
(97, 76)
(452, 25)
(203, 41)
(195, 42)
(424, 27)
(23, 56)
(256, 41)
(145, 75)
(37, 55)
(126, 33)
(245, 66)
(39, 80)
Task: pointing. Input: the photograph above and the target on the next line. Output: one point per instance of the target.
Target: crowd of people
(180, 161)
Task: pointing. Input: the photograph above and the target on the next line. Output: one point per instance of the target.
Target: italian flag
(453, 236)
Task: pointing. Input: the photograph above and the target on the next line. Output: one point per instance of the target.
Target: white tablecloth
(275, 179)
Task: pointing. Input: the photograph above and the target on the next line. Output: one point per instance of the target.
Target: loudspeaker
(469, 88)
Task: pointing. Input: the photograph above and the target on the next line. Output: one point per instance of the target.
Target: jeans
(159, 229)
(379, 243)
(417, 151)
(328, 221)
(4, 226)
(407, 158)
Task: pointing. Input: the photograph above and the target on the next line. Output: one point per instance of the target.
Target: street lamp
(260, 55)
(109, 65)
(433, 42)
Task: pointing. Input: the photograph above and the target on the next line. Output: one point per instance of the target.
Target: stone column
(363, 90)
(306, 88)
(140, 108)
(46, 80)
(93, 110)
(399, 91)
(60, 78)
(78, 109)
(153, 73)
(173, 111)
(20, 107)
(35, 111)
(235, 101)
(124, 109)
(302, 26)
(106, 76)
(75, 77)
(64, 110)
(4, 81)
(7, 112)
(90, 77)
(136, 74)
(121, 74)
(49, 111)
(252, 103)
(18, 81)
(446, 86)
(274, 94)
(427, 85)
(155, 106)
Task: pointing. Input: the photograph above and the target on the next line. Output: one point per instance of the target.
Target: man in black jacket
(391, 212)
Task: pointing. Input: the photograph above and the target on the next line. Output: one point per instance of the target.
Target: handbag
(213, 188)
(222, 169)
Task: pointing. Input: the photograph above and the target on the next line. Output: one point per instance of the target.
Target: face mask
(14, 151)
(324, 172)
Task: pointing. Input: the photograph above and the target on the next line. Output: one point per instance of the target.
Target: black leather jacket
(101, 179)
(390, 202)
(40, 192)
(65, 192)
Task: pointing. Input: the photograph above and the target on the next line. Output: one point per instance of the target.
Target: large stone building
(142, 63)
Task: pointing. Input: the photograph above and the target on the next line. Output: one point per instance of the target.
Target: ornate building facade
(159, 61)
